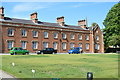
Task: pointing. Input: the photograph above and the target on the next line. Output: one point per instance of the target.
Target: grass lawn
(62, 66)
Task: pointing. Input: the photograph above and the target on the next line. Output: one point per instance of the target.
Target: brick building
(35, 35)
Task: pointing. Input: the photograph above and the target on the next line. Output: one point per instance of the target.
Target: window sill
(24, 36)
(46, 38)
(55, 38)
(35, 49)
(35, 37)
(64, 49)
(11, 35)
(87, 49)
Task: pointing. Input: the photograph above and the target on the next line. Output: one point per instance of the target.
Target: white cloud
(23, 7)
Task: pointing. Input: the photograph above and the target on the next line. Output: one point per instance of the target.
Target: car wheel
(12, 53)
(27, 53)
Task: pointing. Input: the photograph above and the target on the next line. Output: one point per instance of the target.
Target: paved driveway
(5, 75)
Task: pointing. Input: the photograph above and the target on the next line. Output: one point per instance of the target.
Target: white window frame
(64, 36)
(55, 34)
(10, 32)
(87, 46)
(97, 37)
(64, 45)
(35, 33)
(72, 36)
(45, 34)
(35, 45)
(80, 44)
(87, 37)
(23, 44)
(80, 36)
(10, 45)
(24, 32)
(72, 45)
(55, 45)
(45, 45)
(97, 46)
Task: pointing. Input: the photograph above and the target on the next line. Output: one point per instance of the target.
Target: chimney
(60, 20)
(1, 12)
(33, 17)
(82, 23)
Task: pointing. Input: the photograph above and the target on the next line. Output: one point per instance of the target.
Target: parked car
(75, 50)
(18, 50)
(47, 51)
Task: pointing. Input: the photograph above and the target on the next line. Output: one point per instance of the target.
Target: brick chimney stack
(60, 20)
(1, 13)
(33, 17)
(82, 23)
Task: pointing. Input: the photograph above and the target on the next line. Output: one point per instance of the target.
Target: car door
(20, 50)
(16, 50)
(77, 50)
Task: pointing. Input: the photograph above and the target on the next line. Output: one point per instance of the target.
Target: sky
(49, 11)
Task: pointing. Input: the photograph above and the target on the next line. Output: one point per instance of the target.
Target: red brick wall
(18, 37)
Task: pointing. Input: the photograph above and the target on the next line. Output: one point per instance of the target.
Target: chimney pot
(82, 23)
(2, 12)
(60, 20)
(33, 17)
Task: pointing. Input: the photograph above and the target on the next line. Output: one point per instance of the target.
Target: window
(63, 45)
(80, 37)
(71, 45)
(45, 34)
(55, 35)
(45, 44)
(55, 45)
(97, 46)
(24, 33)
(10, 32)
(87, 46)
(34, 44)
(63, 35)
(35, 33)
(87, 37)
(80, 44)
(97, 37)
(72, 36)
(10, 44)
(24, 44)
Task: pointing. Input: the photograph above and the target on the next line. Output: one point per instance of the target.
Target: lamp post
(89, 76)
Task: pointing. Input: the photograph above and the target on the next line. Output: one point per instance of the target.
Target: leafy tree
(112, 27)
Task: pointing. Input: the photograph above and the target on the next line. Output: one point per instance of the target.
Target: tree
(112, 27)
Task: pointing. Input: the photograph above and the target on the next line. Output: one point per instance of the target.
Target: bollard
(89, 76)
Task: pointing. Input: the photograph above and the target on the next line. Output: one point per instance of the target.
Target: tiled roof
(41, 23)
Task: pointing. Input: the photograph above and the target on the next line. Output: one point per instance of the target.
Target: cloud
(23, 7)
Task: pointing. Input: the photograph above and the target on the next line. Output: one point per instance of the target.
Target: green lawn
(62, 66)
